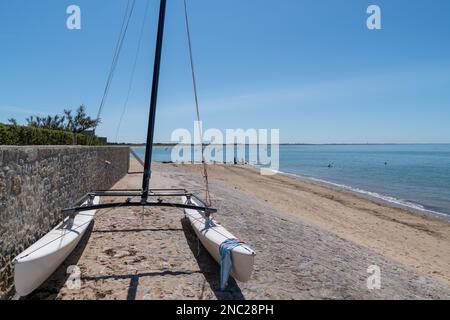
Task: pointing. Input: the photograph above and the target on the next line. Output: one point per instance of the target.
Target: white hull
(243, 257)
(39, 261)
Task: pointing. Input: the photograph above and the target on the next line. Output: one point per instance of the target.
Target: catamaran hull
(37, 263)
(243, 257)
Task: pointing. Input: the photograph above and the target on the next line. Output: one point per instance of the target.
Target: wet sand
(311, 243)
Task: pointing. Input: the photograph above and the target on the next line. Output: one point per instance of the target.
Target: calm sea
(417, 176)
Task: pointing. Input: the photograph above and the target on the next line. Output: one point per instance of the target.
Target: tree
(13, 121)
(82, 122)
(78, 123)
(69, 118)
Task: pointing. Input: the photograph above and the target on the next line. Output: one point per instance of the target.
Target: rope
(130, 85)
(194, 83)
(118, 49)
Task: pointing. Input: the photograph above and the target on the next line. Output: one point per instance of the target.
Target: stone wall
(37, 182)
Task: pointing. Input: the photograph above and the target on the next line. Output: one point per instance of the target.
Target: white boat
(212, 235)
(39, 261)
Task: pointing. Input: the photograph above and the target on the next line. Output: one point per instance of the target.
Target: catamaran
(38, 262)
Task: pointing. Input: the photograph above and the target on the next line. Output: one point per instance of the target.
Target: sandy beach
(311, 242)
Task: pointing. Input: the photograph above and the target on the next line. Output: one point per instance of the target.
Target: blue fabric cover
(226, 262)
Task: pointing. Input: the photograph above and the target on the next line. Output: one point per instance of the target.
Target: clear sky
(308, 67)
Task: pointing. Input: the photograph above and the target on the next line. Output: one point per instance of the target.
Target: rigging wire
(194, 83)
(131, 81)
(123, 31)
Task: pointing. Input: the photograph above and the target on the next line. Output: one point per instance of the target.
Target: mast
(153, 102)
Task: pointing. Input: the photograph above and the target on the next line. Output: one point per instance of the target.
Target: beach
(312, 242)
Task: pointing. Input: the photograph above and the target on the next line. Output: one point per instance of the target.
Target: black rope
(130, 85)
(118, 49)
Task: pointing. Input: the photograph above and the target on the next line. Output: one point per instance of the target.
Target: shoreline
(422, 191)
(415, 208)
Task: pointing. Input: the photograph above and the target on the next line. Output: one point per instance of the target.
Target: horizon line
(284, 144)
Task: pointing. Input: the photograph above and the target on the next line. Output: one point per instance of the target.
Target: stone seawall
(37, 182)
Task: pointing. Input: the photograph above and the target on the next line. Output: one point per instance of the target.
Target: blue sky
(310, 68)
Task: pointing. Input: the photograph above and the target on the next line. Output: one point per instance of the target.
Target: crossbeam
(139, 204)
(158, 196)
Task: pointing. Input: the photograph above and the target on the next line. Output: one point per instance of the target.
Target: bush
(21, 136)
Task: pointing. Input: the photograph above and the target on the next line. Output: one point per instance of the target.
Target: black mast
(153, 101)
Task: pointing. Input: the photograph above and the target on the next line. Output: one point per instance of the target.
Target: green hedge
(21, 135)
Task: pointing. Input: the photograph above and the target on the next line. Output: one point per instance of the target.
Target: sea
(416, 176)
